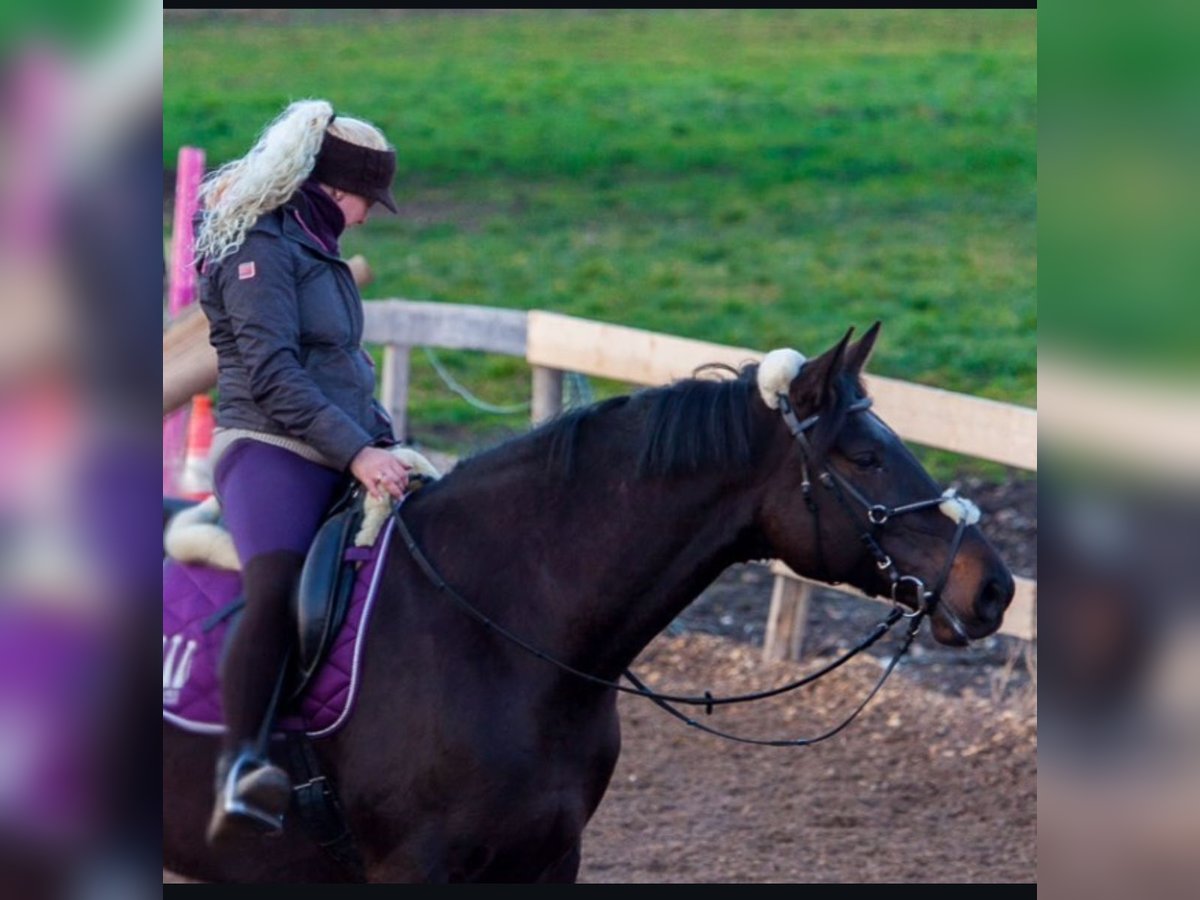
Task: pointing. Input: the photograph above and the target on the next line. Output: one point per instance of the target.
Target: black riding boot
(252, 793)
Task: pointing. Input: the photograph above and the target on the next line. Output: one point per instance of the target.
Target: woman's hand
(380, 472)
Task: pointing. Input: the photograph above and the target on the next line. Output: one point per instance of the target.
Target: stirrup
(237, 807)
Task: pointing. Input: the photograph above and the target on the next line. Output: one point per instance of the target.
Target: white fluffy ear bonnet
(776, 372)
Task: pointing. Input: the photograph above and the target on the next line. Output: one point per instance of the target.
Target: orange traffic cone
(196, 481)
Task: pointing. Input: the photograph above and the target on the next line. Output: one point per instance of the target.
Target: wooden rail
(621, 353)
(553, 344)
(400, 325)
(972, 426)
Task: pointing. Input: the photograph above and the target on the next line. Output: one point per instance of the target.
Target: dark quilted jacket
(286, 320)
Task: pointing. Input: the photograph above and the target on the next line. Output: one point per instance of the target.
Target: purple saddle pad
(193, 597)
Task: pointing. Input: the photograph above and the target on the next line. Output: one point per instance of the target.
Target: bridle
(924, 601)
(906, 590)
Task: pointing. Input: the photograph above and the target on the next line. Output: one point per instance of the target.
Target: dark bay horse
(470, 759)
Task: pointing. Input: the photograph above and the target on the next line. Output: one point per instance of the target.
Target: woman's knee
(271, 577)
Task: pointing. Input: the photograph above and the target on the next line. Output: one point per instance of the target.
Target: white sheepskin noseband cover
(776, 371)
(958, 509)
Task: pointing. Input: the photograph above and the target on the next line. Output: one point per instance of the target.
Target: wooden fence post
(394, 388)
(786, 620)
(547, 394)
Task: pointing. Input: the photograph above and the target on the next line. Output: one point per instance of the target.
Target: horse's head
(848, 502)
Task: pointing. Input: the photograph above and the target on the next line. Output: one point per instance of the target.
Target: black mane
(685, 426)
(688, 426)
(697, 424)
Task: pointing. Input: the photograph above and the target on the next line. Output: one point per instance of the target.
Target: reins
(913, 627)
(707, 700)
(922, 599)
(664, 701)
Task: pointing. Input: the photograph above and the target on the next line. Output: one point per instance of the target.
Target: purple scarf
(321, 215)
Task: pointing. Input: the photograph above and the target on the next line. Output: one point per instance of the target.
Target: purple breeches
(271, 499)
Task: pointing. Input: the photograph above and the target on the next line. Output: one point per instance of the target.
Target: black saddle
(327, 582)
(322, 597)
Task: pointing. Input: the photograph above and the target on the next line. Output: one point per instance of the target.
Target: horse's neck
(593, 567)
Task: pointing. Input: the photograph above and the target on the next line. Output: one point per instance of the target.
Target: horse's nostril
(993, 600)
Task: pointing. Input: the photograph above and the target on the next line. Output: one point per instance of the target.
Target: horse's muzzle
(993, 599)
(954, 629)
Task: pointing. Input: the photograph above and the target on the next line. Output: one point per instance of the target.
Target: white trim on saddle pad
(359, 640)
(196, 536)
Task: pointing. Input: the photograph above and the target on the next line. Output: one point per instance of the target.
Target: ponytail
(237, 194)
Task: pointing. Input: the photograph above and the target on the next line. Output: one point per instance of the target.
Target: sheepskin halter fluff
(958, 509)
(776, 372)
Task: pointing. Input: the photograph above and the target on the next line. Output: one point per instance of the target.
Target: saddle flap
(323, 593)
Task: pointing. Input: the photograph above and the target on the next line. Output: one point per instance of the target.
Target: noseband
(906, 590)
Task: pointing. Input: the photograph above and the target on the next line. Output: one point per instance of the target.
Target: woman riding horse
(296, 408)
(471, 758)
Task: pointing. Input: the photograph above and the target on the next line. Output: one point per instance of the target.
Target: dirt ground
(926, 786)
(936, 781)
(922, 788)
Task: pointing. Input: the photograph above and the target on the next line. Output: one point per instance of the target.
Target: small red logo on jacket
(245, 270)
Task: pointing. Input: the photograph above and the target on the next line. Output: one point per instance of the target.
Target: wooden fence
(553, 344)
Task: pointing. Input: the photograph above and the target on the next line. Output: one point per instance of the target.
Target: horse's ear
(860, 351)
(812, 390)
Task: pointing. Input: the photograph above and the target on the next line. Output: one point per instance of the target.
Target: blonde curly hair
(238, 193)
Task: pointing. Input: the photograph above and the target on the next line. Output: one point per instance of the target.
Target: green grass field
(759, 177)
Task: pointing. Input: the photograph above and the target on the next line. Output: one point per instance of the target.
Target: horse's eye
(867, 460)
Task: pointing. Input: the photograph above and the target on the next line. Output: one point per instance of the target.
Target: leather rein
(906, 590)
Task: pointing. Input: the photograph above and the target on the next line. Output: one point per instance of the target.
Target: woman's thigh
(271, 499)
